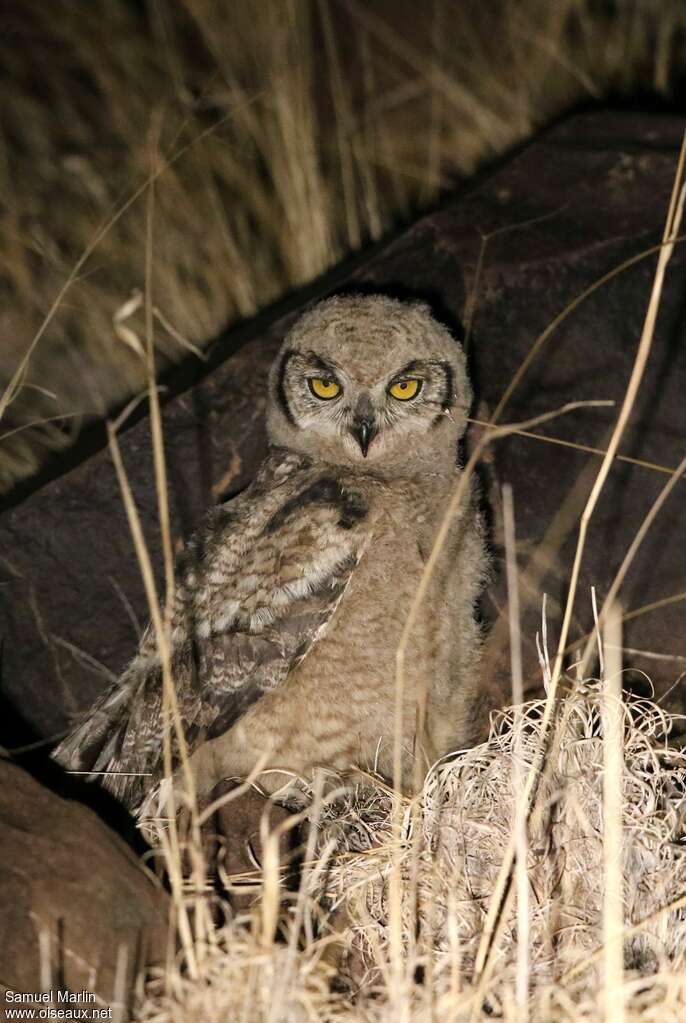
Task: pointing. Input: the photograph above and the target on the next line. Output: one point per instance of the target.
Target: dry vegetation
(417, 899)
(289, 133)
(453, 910)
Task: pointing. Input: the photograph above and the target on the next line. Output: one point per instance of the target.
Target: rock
(546, 225)
(65, 875)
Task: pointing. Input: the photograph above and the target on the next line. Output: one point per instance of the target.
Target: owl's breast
(358, 649)
(337, 706)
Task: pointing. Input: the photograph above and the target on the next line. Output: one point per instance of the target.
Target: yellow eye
(403, 390)
(324, 388)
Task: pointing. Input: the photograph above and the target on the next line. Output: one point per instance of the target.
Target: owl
(292, 599)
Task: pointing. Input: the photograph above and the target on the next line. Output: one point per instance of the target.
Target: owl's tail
(95, 746)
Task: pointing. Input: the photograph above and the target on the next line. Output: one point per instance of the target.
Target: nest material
(433, 865)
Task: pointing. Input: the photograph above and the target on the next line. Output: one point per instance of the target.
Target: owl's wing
(258, 589)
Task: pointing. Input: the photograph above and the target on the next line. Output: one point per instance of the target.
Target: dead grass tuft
(449, 855)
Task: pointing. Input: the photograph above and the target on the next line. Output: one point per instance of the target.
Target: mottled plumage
(291, 602)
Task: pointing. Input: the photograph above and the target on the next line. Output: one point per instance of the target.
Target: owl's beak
(364, 432)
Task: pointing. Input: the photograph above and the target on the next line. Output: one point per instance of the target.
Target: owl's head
(370, 383)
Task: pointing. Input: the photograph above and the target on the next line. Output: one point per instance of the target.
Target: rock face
(544, 227)
(65, 875)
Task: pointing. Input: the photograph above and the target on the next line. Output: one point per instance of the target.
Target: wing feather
(259, 586)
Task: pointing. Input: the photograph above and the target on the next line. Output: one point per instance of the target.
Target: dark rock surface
(64, 874)
(549, 222)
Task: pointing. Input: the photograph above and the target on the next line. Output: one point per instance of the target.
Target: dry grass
(449, 853)
(290, 132)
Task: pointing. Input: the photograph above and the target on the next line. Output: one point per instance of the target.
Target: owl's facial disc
(357, 415)
(372, 384)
